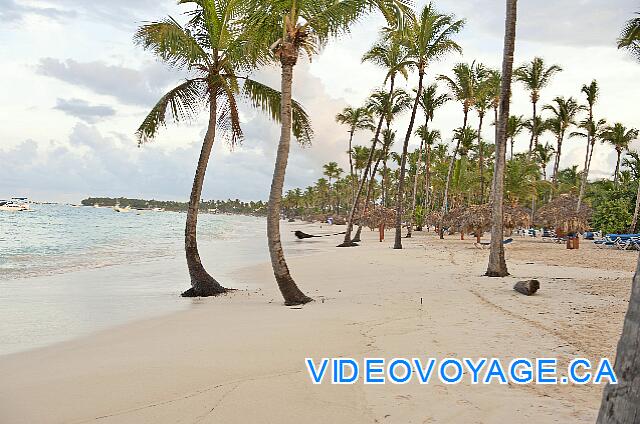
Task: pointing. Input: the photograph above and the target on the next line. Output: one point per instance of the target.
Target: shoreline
(208, 361)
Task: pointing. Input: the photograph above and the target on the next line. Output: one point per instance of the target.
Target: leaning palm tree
(515, 126)
(497, 266)
(535, 76)
(290, 27)
(387, 53)
(619, 137)
(213, 49)
(621, 402)
(429, 37)
(387, 106)
(564, 113)
(463, 86)
(356, 119)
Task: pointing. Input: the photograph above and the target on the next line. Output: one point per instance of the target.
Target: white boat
(117, 208)
(16, 204)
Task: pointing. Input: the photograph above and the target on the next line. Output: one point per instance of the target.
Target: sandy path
(239, 359)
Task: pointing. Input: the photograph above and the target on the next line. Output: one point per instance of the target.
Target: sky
(76, 88)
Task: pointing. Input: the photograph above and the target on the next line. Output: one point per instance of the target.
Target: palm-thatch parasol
(562, 215)
(454, 219)
(477, 219)
(378, 215)
(433, 218)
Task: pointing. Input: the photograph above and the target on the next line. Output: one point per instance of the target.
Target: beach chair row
(619, 241)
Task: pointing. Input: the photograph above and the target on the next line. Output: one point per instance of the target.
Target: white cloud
(105, 85)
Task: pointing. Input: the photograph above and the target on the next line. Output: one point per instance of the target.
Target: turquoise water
(57, 238)
(67, 271)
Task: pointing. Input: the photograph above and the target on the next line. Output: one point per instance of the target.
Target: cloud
(577, 22)
(12, 12)
(130, 86)
(84, 110)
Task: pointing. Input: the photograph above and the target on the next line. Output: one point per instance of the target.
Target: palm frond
(630, 37)
(269, 100)
(184, 102)
(172, 43)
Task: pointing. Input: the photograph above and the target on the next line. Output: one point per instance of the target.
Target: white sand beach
(240, 358)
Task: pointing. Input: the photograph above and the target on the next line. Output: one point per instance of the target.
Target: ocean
(68, 271)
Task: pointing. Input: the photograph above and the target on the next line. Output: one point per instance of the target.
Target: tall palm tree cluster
(413, 169)
(441, 175)
(220, 44)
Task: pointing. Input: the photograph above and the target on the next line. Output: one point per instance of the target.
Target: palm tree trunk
(290, 292)
(372, 181)
(617, 173)
(415, 190)
(534, 138)
(427, 147)
(481, 159)
(202, 284)
(585, 174)
(497, 266)
(621, 402)
(403, 162)
(495, 125)
(636, 211)
(347, 242)
(427, 180)
(512, 143)
(556, 164)
(445, 201)
(353, 179)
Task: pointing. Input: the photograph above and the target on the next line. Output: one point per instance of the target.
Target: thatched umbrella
(433, 218)
(378, 215)
(454, 220)
(562, 215)
(477, 219)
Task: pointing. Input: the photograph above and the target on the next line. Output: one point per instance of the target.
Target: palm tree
(623, 405)
(543, 155)
(535, 76)
(213, 49)
(630, 36)
(359, 157)
(463, 86)
(632, 163)
(332, 171)
(486, 93)
(387, 53)
(428, 39)
(357, 119)
(591, 91)
(536, 126)
(497, 266)
(619, 137)
(429, 137)
(564, 114)
(290, 27)
(430, 101)
(515, 125)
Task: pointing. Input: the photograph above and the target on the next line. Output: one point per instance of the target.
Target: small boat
(16, 204)
(118, 208)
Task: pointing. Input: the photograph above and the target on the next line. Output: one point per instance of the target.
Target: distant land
(229, 206)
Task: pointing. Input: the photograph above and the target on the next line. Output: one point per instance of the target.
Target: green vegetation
(235, 207)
